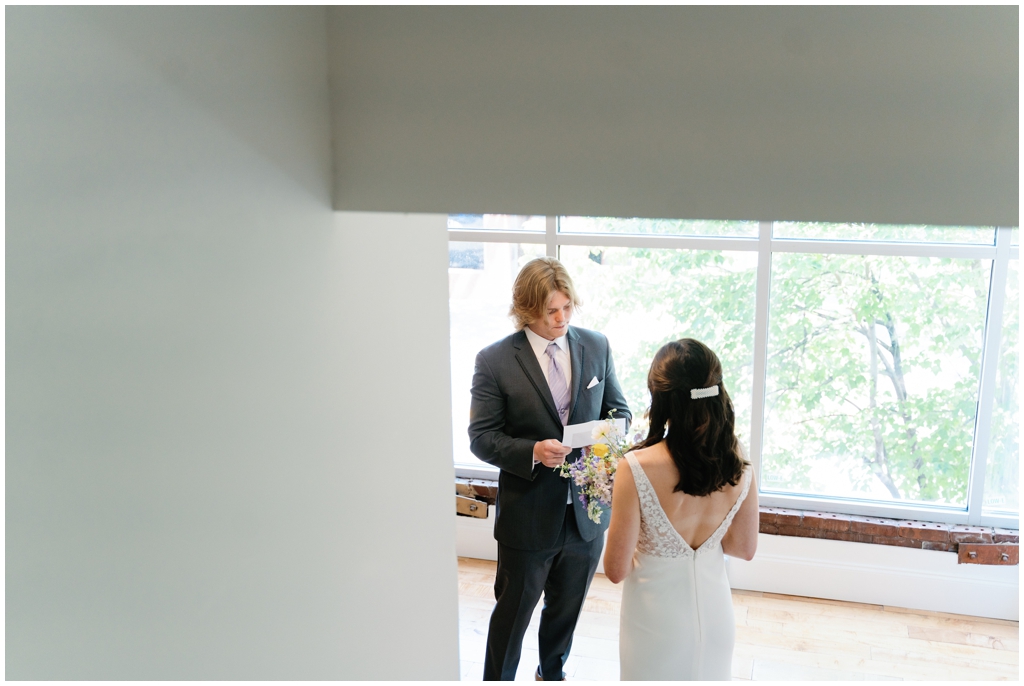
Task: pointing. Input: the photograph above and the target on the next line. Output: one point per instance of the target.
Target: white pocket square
(593, 382)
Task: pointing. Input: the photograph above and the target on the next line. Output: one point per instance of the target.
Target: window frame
(1001, 251)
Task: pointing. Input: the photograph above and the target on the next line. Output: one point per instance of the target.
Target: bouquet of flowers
(594, 471)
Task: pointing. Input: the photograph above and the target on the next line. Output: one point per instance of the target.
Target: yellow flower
(600, 449)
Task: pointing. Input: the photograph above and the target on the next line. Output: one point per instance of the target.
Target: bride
(687, 499)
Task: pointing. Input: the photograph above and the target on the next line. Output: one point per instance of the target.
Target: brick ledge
(880, 531)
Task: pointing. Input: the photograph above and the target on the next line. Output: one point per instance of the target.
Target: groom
(526, 388)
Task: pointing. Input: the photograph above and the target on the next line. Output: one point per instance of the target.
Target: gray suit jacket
(512, 409)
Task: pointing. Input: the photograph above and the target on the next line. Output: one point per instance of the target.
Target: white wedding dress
(677, 619)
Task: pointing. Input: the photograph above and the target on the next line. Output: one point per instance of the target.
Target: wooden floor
(777, 637)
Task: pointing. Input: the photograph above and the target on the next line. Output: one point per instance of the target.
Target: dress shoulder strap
(638, 471)
(720, 532)
(644, 489)
(747, 478)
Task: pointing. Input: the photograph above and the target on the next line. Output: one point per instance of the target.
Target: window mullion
(764, 258)
(551, 236)
(989, 366)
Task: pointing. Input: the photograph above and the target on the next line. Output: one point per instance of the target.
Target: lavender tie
(556, 382)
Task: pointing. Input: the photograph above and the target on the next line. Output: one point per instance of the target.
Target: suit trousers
(563, 573)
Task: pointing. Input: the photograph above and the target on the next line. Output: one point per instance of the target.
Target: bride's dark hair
(702, 433)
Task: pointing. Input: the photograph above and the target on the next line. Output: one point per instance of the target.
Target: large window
(873, 367)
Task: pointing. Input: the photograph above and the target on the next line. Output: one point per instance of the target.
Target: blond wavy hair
(537, 280)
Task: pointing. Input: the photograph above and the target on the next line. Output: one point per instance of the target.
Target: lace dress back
(657, 535)
(677, 617)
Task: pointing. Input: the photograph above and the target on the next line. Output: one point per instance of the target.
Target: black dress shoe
(538, 677)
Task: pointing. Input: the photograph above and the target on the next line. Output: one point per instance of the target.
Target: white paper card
(580, 435)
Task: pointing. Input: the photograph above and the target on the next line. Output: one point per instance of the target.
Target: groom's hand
(550, 453)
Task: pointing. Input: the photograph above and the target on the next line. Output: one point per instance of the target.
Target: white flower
(601, 431)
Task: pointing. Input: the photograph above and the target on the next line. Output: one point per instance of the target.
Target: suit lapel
(528, 361)
(576, 361)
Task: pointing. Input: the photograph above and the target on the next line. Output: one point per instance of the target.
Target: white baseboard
(475, 537)
(839, 570)
(878, 574)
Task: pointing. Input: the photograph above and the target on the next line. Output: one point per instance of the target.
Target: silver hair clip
(698, 393)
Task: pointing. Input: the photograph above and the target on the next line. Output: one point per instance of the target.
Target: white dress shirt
(540, 347)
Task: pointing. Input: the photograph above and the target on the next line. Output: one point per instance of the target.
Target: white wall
(204, 363)
(885, 114)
